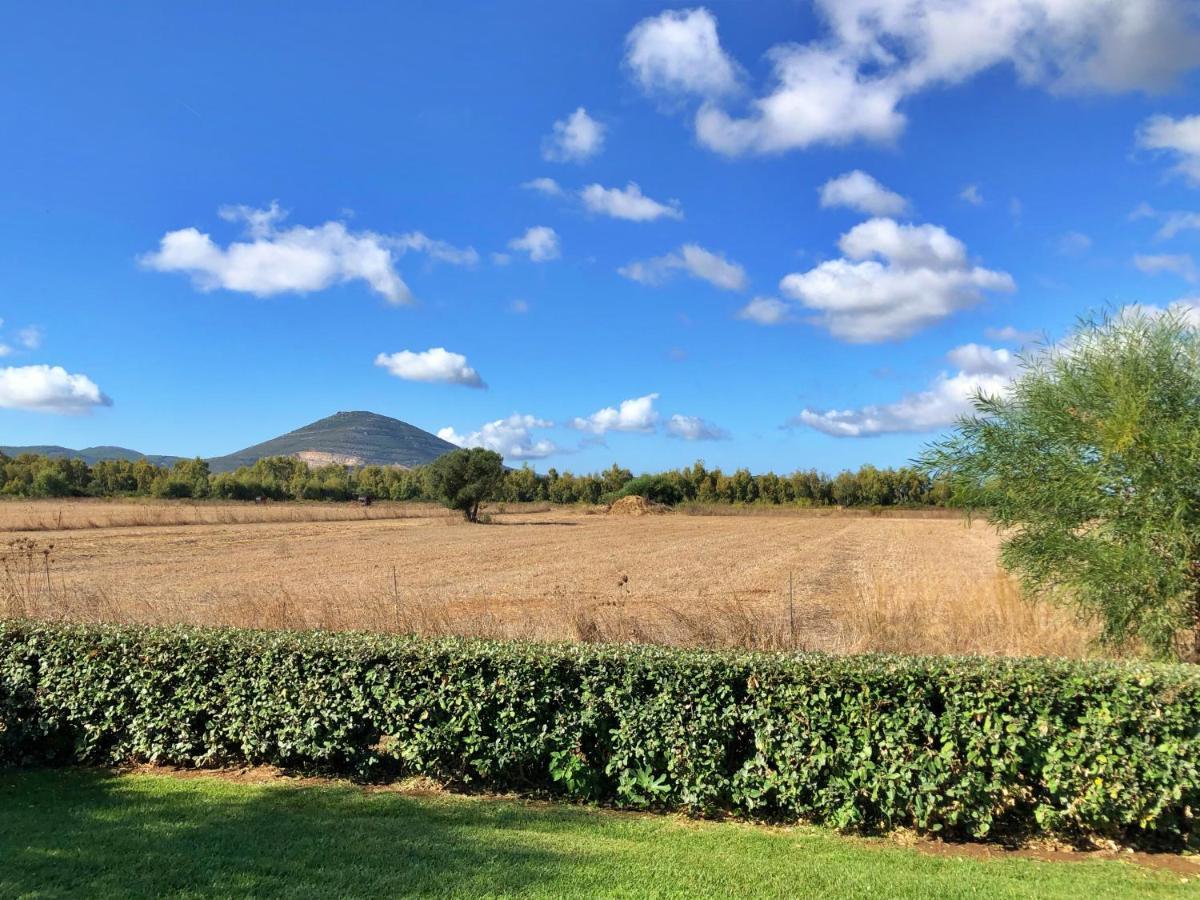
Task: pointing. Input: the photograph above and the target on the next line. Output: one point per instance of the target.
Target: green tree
(521, 485)
(1091, 467)
(464, 479)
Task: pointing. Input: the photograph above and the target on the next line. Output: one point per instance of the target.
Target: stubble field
(820, 580)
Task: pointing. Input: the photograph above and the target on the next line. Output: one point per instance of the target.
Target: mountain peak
(348, 437)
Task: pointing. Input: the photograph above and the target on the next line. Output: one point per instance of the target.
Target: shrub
(1089, 466)
(966, 746)
(656, 488)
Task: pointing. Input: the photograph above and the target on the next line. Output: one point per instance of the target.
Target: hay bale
(634, 505)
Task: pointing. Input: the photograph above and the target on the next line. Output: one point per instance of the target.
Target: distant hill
(91, 455)
(349, 438)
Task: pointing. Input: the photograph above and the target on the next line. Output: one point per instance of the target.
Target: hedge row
(959, 745)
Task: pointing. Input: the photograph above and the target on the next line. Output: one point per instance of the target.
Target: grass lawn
(88, 833)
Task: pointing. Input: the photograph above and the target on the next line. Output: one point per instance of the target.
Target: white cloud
(765, 311)
(547, 186)
(1009, 334)
(1180, 264)
(1073, 243)
(982, 360)
(50, 389)
(971, 194)
(577, 138)
(5, 350)
(1179, 138)
(695, 261)
(1142, 211)
(849, 82)
(1187, 308)
(509, 437)
(979, 369)
(434, 365)
(924, 276)
(30, 338)
(439, 250)
(540, 242)
(628, 203)
(294, 260)
(678, 52)
(501, 259)
(1175, 222)
(859, 191)
(819, 97)
(694, 428)
(637, 414)
(518, 306)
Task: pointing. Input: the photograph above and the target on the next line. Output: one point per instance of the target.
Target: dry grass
(914, 584)
(70, 515)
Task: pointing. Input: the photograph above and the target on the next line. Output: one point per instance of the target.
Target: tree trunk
(1196, 636)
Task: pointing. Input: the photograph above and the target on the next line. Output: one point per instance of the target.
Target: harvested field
(858, 583)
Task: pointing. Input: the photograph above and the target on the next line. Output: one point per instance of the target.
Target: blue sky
(222, 222)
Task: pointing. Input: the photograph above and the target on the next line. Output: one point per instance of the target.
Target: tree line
(286, 478)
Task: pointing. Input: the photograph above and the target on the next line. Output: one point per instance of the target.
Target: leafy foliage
(464, 479)
(289, 478)
(1093, 462)
(967, 746)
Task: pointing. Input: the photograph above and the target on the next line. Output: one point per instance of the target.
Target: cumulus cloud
(577, 138)
(859, 191)
(819, 97)
(1175, 222)
(628, 203)
(1010, 334)
(30, 338)
(848, 84)
(299, 259)
(540, 242)
(678, 52)
(892, 281)
(434, 365)
(637, 414)
(1178, 138)
(694, 428)
(693, 260)
(971, 194)
(547, 186)
(979, 369)
(1186, 308)
(438, 250)
(765, 311)
(1073, 243)
(50, 389)
(509, 437)
(1180, 264)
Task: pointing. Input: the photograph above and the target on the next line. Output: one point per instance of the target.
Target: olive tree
(463, 479)
(1090, 467)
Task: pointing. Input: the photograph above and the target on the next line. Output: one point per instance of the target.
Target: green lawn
(87, 833)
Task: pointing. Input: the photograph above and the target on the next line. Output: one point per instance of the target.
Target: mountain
(349, 438)
(91, 455)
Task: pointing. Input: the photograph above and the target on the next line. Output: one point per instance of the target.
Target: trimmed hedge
(966, 746)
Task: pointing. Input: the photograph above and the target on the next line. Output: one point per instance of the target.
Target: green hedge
(960, 745)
